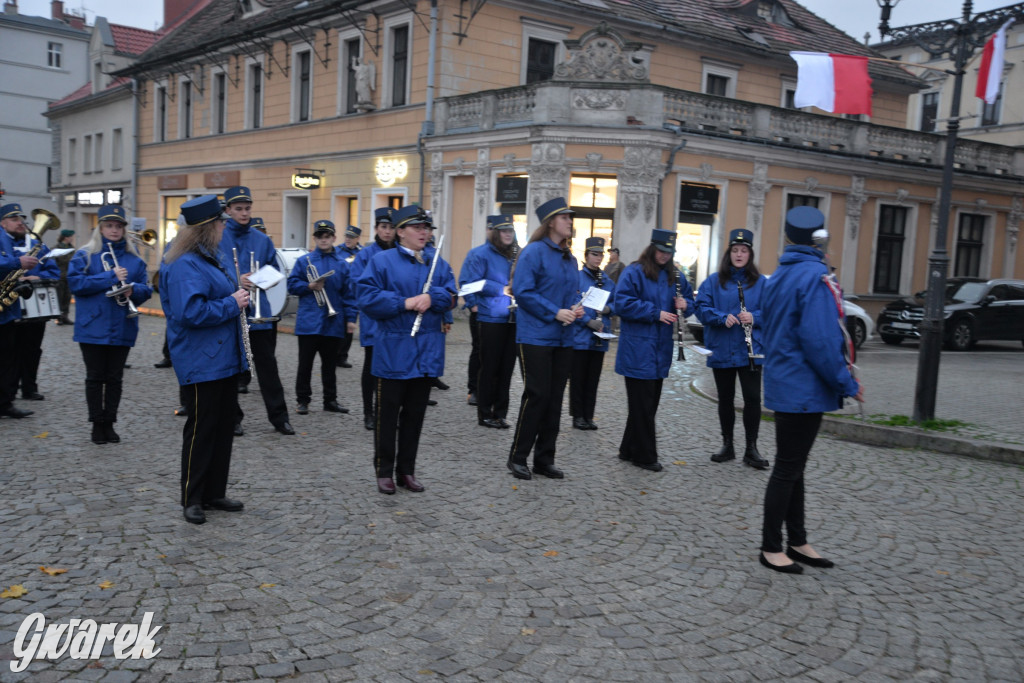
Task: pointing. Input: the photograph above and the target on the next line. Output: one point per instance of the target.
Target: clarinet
(508, 288)
(599, 283)
(680, 354)
(426, 285)
(243, 318)
(748, 330)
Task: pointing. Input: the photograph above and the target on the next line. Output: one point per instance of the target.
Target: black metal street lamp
(957, 41)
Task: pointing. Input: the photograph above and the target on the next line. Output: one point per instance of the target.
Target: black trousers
(309, 346)
(64, 295)
(497, 361)
(344, 345)
(474, 354)
(401, 405)
(639, 440)
(104, 369)
(207, 439)
(29, 339)
(583, 381)
(784, 497)
(545, 371)
(264, 349)
(750, 386)
(8, 365)
(368, 382)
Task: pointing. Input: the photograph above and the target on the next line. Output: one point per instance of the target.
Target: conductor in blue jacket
(805, 374)
(326, 311)
(647, 296)
(588, 348)
(390, 291)
(203, 305)
(546, 286)
(719, 309)
(104, 326)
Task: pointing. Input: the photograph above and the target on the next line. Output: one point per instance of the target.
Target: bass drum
(282, 303)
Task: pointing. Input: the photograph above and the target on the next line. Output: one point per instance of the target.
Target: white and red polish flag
(835, 83)
(991, 71)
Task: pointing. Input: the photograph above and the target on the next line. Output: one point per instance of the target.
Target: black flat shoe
(431, 402)
(368, 422)
(334, 407)
(15, 413)
(590, 425)
(344, 364)
(108, 431)
(285, 428)
(238, 430)
(580, 423)
(165, 363)
(819, 562)
(503, 423)
(194, 514)
(471, 399)
(490, 422)
(519, 471)
(32, 396)
(782, 569)
(243, 389)
(440, 385)
(99, 437)
(549, 472)
(225, 504)
(650, 466)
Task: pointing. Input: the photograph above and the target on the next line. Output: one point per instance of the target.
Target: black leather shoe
(752, 458)
(440, 385)
(471, 399)
(819, 562)
(344, 364)
(549, 472)
(99, 437)
(334, 407)
(725, 453)
(386, 485)
(16, 413)
(238, 430)
(490, 422)
(302, 409)
(591, 425)
(625, 456)
(793, 568)
(580, 423)
(503, 423)
(108, 431)
(243, 389)
(431, 402)
(127, 366)
(194, 514)
(651, 466)
(165, 363)
(285, 428)
(519, 471)
(407, 481)
(368, 422)
(225, 504)
(32, 396)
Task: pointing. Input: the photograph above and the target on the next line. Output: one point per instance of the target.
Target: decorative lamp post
(957, 41)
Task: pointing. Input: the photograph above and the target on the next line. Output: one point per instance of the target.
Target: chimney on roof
(75, 21)
(57, 10)
(11, 7)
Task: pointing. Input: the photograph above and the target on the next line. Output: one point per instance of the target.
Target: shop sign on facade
(390, 170)
(306, 181)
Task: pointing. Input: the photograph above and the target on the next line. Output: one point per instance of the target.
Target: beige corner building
(643, 114)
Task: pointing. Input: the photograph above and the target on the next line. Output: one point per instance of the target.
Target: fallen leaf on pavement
(551, 553)
(267, 585)
(106, 584)
(15, 591)
(528, 631)
(678, 462)
(52, 571)
(41, 436)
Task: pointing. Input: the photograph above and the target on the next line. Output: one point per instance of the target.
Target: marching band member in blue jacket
(318, 330)
(496, 328)
(391, 293)
(718, 308)
(805, 374)
(589, 349)
(545, 284)
(384, 239)
(103, 328)
(647, 296)
(203, 304)
(10, 260)
(29, 332)
(255, 246)
(348, 250)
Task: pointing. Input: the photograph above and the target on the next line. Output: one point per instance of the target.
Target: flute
(426, 285)
(243, 318)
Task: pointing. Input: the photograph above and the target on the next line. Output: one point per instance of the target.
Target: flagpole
(958, 44)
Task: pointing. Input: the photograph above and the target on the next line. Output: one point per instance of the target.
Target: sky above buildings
(855, 17)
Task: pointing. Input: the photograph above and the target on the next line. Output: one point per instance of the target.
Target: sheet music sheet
(596, 298)
(472, 287)
(266, 277)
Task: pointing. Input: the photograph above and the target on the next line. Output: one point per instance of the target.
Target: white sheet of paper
(605, 335)
(266, 277)
(54, 253)
(701, 350)
(472, 287)
(596, 298)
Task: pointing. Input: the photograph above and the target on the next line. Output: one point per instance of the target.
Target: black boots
(726, 452)
(752, 458)
(103, 432)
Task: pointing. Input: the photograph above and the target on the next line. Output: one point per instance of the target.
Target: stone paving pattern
(613, 574)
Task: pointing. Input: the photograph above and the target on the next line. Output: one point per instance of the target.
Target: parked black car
(975, 309)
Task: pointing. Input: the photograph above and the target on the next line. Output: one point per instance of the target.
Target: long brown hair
(193, 239)
(652, 269)
(505, 250)
(725, 266)
(540, 233)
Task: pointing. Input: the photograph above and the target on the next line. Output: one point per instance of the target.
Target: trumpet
(121, 293)
(322, 300)
(258, 318)
(145, 238)
(44, 220)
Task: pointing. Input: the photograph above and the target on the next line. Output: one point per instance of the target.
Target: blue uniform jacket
(98, 317)
(367, 324)
(391, 277)
(311, 318)
(804, 371)
(645, 343)
(585, 339)
(714, 304)
(486, 263)
(544, 282)
(9, 261)
(204, 333)
(48, 269)
(346, 253)
(248, 241)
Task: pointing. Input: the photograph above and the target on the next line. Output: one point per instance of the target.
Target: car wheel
(961, 336)
(859, 333)
(892, 339)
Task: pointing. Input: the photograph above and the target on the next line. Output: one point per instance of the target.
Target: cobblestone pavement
(613, 574)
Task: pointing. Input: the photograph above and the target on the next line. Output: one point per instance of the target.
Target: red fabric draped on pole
(834, 83)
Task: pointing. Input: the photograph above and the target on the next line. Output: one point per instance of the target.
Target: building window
(990, 112)
(540, 60)
(55, 55)
(72, 156)
(970, 239)
(87, 154)
(593, 198)
(302, 88)
(788, 94)
(719, 78)
(350, 52)
(255, 101)
(892, 225)
(794, 200)
(185, 91)
(98, 142)
(929, 111)
(172, 207)
(399, 64)
(160, 134)
(220, 110)
(116, 150)
(716, 85)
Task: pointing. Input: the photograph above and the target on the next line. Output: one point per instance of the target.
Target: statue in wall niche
(366, 81)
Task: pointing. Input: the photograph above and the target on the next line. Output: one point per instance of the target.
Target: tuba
(43, 220)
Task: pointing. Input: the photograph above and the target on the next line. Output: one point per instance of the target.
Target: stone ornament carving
(594, 161)
(548, 173)
(601, 54)
(1013, 221)
(483, 179)
(706, 170)
(598, 99)
(509, 160)
(640, 180)
(460, 165)
(854, 203)
(811, 183)
(366, 79)
(901, 195)
(757, 190)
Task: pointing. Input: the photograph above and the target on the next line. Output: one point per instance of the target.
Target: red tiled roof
(132, 41)
(86, 91)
